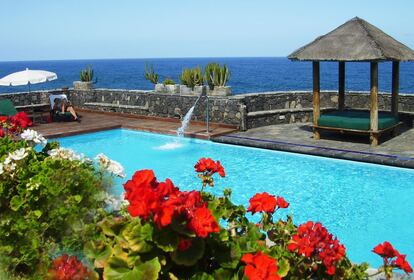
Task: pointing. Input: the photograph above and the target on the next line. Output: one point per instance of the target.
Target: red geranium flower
(2, 134)
(202, 222)
(262, 202)
(281, 202)
(260, 267)
(68, 268)
(209, 167)
(385, 250)
(162, 202)
(184, 244)
(314, 240)
(401, 263)
(144, 177)
(21, 120)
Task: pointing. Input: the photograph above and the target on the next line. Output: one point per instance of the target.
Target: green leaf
(137, 236)
(148, 270)
(78, 198)
(103, 256)
(182, 229)
(217, 210)
(284, 267)
(223, 273)
(107, 225)
(117, 269)
(38, 213)
(16, 202)
(228, 254)
(190, 256)
(100, 253)
(203, 276)
(6, 249)
(166, 239)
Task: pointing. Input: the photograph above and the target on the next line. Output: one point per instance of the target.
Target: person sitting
(64, 111)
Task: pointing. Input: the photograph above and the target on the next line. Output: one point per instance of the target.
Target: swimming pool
(363, 204)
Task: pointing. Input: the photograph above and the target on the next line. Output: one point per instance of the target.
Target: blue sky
(75, 29)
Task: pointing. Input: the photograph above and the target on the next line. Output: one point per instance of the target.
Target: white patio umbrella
(27, 77)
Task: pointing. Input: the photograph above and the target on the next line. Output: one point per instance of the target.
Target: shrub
(169, 81)
(86, 75)
(150, 75)
(170, 234)
(49, 200)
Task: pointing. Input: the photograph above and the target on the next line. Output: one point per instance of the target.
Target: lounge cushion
(358, 120)
(7, 108)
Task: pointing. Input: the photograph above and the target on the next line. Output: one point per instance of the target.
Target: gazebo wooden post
(341, 86)
(374, 104)
(316, 99)
(395, 87)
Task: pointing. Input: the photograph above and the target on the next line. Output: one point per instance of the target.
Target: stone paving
(298, 137)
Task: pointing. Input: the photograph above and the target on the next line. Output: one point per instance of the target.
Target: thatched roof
(355, 40)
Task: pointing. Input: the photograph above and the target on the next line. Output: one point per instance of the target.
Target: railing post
(207, 115)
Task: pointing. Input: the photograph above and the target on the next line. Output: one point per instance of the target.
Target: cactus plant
(150, 75)
(216, 76)
(192, 77)
(221, 76)
(209, 70)
(198, 76)
(186, 78)
(86, 75)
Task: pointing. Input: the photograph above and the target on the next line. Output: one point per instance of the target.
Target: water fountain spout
(181, 130)
(186, 120)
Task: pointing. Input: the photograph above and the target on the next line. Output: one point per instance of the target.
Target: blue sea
(247, 74)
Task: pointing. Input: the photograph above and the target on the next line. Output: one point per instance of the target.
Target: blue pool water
(363, 204)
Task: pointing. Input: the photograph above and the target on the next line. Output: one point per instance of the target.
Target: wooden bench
(373, 135)
(117, 106)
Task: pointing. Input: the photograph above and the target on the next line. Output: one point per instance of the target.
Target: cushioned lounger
(357, 120)
(7, 108)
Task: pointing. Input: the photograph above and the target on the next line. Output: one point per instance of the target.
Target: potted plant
(151, 76)
(171, 86)
(217, 78)
(86, 80)
(199, 87)
(192, 81)
(187, 82)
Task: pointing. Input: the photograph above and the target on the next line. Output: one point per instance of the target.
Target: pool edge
(367, 157)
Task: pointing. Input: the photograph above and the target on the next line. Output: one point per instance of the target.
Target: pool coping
(368, 157)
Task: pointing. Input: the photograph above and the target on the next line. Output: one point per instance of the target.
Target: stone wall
(244, 111)
(296, 106)
(27, 98)
(221, 109)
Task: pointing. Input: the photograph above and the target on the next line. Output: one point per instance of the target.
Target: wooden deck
(98, 121)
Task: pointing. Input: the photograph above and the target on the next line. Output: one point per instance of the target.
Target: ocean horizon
(248, 74)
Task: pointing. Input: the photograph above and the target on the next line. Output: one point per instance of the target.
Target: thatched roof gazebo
(356, 41)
